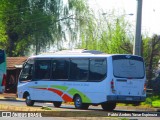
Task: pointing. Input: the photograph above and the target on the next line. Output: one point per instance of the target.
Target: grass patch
(153, 101)
(121, 104)
(156, 103)
(46, 108)
(125, 119)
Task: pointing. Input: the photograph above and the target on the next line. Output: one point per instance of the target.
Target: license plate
(129, 98)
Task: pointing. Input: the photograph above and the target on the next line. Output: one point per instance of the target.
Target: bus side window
(42, 69)
(98, 69)
(60, 69)
(79, 69)
(27, 72)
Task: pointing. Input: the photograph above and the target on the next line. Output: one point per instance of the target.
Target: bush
(156, 103)
(155, 85)
(153, 101)
(148, 101)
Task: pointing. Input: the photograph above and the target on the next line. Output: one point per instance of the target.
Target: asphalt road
(92, 110)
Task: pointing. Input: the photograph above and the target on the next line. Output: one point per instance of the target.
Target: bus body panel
(64, 91)
(110, 89)
(126, 89)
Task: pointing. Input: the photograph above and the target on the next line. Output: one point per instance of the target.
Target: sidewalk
(8, 96)
(138, 108)
(13, 97)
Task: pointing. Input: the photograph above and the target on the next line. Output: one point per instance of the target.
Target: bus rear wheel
(108, 106)
(57, 104)
(78, 103)
(28, 101)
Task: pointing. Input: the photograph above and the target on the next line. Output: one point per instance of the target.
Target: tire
(28, 101)
(57, 104)
(108, 106)
(78, 103)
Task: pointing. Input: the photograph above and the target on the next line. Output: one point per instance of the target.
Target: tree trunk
(150, 68)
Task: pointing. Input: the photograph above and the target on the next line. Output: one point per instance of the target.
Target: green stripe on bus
(59, 87)
(73, 91)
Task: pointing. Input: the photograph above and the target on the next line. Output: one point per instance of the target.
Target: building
(14, 66)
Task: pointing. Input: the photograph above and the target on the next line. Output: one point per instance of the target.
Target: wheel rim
(28, 99)
(78, 102)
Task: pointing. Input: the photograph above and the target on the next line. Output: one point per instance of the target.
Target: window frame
(32, 71)
(40, 59)
(65, 59)
(51, 59)
(79, 58)
(106, 72)
(128, 57)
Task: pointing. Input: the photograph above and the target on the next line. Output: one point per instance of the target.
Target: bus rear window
(128, 66)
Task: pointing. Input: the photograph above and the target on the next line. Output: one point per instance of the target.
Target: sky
(150, 12)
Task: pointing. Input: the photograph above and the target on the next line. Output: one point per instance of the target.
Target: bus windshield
(128, 66)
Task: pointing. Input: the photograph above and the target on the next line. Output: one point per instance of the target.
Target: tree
(12, 17)
(39, 23)
(151, 54)
(108, 34)
(3, 37)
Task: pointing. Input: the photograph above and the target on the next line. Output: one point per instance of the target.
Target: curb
(10, 99)
(18, 108)
(39, 112)
(53, 113)
(139, 108)
(27, 108)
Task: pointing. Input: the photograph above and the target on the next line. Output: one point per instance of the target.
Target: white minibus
(83, 77)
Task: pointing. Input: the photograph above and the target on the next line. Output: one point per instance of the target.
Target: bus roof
(73, 53)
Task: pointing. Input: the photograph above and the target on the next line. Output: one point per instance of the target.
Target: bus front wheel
(28, 101)
(78, 103)
(57, 104)
(108, 106)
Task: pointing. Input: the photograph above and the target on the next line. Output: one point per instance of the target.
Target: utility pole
(138, 39)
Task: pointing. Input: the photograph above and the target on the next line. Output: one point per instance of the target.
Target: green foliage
(46, 108)
(151, 54)
(3, 37)
(106, 34)
(148, 101)
(114, 35)
(153, 101)
(157, 97)
(156, 103)
(124, 119)
(39, 23)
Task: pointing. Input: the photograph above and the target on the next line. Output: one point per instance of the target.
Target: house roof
(14, 62)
